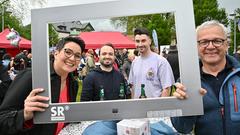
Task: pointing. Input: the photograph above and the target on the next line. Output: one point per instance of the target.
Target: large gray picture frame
(118, 109)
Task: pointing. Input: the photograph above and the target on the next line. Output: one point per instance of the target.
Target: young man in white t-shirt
(150, 69)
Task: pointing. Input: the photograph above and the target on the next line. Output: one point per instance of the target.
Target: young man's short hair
(140, 31)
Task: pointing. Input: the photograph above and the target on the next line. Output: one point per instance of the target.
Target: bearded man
(103, 77)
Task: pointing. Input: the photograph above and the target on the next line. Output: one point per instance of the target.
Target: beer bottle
(129, 91)
(121, 91)
(173, 89)
(143, 95)
(101, 93)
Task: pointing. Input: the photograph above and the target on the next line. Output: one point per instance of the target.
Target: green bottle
(121, 91)
(129, 91)
(143, 95)
(173, 89)
(101, 93)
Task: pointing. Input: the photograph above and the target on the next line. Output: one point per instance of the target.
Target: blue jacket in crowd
(221, 116)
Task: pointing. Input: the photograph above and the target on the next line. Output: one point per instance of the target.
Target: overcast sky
(229, 5)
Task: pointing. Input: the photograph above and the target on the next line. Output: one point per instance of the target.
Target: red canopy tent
(94, 40)
(4, 43)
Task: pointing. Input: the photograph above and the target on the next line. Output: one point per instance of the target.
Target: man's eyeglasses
(215, 42)
(69, 53)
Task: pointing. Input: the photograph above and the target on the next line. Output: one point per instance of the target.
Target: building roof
(67, 27)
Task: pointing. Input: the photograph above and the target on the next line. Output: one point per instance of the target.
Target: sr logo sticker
(57, 112)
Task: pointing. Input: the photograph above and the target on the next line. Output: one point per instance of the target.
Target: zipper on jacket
(222, 112)
(223, 119)
(234, 87)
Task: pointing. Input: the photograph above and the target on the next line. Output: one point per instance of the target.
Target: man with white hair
(220, 77)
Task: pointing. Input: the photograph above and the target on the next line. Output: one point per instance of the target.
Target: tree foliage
(205, 10)
(53, 35)
(11, 21)
(164, 24)
(18, 10)
(237, 17)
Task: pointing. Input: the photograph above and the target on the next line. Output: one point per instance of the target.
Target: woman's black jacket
(11, 110)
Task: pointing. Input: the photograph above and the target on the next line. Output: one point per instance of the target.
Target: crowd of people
(10, 66)
(110, 74)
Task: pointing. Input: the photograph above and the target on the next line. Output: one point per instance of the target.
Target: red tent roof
(95, 40)
(4, 43)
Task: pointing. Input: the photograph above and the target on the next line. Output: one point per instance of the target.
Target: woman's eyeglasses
(69, 53)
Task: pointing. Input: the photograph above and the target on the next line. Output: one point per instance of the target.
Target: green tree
(237, 17)
(162, 23)
(13, 15)
(53, 35)
(2, 2)
(27, 31)
(11, 21)
(205, 10)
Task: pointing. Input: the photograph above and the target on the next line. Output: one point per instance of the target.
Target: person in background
(5, 79)
(220, 77)
(127, 65)
(149, 68)
(21, 100)
(103, 77)
(136, 52)
(12, 72)
(164, 52)
(23, 55)
(29, 60)
(18, 64)
(6, 59)
(81, 72)
(237, 54)
(154, 49)
(118, 54)
(121, 57)
(124, 56)
(90, 62)
(172, 58)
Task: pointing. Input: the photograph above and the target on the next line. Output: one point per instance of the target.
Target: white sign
(155, 38)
